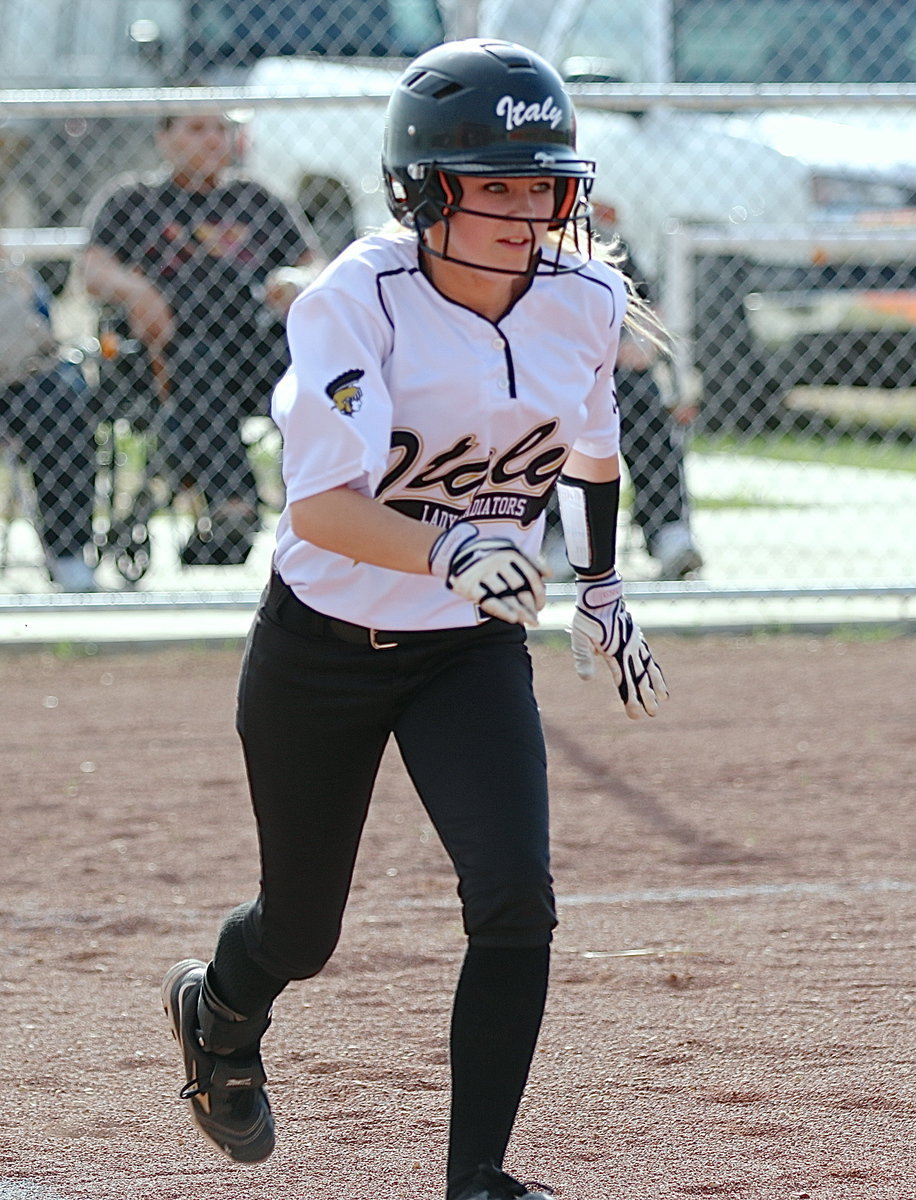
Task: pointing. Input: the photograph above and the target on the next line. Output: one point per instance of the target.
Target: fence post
(678, 303)
(463, 18)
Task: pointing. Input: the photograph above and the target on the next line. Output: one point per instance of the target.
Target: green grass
(738, 500)
(842, 451)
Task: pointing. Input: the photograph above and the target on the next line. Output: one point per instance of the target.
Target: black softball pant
(50, 416)
(315, 713)
(651, 447)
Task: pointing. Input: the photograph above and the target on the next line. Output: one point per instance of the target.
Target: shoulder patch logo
(344, 392)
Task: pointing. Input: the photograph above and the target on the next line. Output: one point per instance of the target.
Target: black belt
(290, 612)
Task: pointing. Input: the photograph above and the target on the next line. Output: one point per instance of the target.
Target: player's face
(198, 148)
(506, 225)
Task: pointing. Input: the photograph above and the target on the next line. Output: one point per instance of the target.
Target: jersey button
(503, 385)
(498, 344)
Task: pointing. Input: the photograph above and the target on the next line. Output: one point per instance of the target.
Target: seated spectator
(46, 419)
(192, 259)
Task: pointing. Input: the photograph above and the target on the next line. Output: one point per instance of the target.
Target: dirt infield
(734, 974)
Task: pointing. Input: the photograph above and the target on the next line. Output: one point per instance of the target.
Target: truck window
(38, 39)
(794, 41)
(717, 41)
(223, 34)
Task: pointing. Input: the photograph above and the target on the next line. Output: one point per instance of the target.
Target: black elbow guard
(589, 515)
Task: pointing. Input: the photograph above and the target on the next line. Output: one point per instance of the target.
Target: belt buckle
(376, 644)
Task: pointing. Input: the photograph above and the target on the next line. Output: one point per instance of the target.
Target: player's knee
(519, 911)
(292, 949)
(297, 961)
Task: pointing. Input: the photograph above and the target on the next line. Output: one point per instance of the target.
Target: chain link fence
(768, 203)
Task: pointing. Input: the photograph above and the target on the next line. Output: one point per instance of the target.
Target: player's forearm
(108, 280)
(362, 529)
(148, 312)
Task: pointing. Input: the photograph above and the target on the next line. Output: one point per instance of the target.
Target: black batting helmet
(484, 108)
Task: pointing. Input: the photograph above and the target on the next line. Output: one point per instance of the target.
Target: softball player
(445, 378)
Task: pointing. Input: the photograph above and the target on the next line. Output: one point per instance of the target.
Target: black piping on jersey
(378, 287)
(580, 271)
(529, 276)
(510, 365)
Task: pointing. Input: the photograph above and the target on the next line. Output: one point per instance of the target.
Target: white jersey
(440, 413)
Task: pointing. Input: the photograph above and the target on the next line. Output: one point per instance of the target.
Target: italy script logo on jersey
(464, 482)
(345, 393)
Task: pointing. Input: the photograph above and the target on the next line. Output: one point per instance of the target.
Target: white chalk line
(16, 1189)
(694, 894)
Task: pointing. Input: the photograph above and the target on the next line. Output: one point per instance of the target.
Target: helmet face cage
(491, 110)
(441, 200)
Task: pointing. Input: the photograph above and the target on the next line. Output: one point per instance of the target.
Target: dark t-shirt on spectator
(209, 253)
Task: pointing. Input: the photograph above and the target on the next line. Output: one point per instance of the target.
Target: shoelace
(193, 1088)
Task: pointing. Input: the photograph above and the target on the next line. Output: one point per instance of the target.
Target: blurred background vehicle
(805, 296)
(52, 166)
(802, 294)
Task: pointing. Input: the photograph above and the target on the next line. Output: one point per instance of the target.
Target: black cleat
(489, 1183)
(228, 1100)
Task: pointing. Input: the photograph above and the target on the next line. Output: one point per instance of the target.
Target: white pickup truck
(654, 168)
(657, 164)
